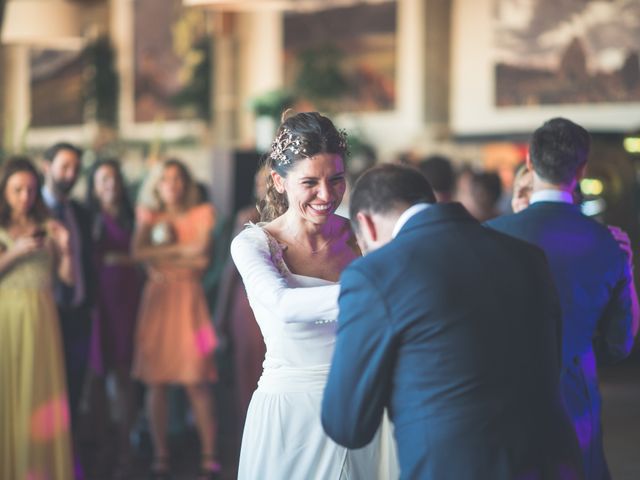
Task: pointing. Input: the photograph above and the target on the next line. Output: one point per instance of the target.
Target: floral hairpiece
(342, 141)
(283, 142)
(287, 140)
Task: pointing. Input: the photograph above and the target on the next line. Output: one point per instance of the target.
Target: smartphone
(39, 234)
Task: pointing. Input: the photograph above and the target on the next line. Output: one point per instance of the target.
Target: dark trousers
(584, 406)
(75, 325)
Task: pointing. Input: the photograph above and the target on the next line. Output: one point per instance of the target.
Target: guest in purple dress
(118, 295)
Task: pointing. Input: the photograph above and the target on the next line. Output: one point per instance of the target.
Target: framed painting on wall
(57, 87)
(171, 61)
(517, 63)
(343, 59)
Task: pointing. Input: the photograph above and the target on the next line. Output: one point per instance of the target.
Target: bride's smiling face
(314, 186)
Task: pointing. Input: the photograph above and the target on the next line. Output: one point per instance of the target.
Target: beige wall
(249, 61)
(421, 111)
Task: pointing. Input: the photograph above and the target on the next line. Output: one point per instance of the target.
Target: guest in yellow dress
(175, 339)
(34, 416)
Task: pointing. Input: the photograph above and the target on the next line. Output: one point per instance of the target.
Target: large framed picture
(58, 94)
(164, 55)
(343, 59)
(517, 63)
(57, 88)
(170, 43)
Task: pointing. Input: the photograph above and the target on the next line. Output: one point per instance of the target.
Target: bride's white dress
(283, 438)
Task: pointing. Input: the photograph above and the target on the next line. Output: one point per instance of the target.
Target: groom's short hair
(385, 188)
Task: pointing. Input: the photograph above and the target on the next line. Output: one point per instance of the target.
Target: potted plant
(268, 109)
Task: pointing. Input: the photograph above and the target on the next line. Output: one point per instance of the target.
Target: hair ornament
(342, 141)
(283, 142)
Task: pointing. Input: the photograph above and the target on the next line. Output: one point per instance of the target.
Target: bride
(290, 265)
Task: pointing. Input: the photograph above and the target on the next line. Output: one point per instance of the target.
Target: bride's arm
(266, 285)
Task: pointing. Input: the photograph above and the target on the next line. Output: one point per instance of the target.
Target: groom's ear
(367, 226)
(528, 162)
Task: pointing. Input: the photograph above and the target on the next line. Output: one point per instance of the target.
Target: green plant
(320, 77)
(101, 84)
(197, 91)
(272, 103)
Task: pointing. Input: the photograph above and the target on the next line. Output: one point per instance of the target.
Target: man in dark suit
(455, 329)
(591, 273)
(61, 170)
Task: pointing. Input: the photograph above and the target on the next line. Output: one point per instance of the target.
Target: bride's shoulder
(255, 236)
(252, 233)
(255, 242)
(343, 223)
(343, 226)
(347, 235)
(247, 244)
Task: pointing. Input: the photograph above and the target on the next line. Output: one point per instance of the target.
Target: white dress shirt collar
(406, 215)
(558, 196)
(49, 198)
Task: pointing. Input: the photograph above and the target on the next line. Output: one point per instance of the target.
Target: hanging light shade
(43, 23)
(239, 5)
(257, 5)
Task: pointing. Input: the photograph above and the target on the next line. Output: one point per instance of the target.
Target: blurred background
(208, 80)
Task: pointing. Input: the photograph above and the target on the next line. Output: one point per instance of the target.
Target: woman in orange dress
(175, 340)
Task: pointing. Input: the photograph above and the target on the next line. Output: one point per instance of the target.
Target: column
(437, 26)
(16, 111)
(411, 63)
(261, 63)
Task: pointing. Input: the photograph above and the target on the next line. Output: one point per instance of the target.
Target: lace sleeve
(265, 279)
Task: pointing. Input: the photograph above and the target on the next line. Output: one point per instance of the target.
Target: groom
(454, 328)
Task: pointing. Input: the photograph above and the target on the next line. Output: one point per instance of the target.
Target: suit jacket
(455, 329)
(63, 293)
(593, 279)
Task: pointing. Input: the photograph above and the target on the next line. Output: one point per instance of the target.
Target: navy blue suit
(593, 280)
(455, 329)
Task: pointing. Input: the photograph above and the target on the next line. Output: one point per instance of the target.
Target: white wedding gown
(283, 438)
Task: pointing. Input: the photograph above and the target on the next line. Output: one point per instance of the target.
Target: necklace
(317, 250)
(324, 245)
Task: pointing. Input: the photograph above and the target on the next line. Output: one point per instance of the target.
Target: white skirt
(283, 437)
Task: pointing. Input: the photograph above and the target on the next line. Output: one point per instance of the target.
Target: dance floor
(621, 418)
(621, 396)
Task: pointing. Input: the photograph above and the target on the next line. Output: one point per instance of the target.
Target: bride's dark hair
(300, 136)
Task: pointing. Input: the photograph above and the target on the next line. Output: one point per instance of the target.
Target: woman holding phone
(35, 439)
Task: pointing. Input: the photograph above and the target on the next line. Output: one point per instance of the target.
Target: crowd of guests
(480, 191)
(77, 308)
(413, 317)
